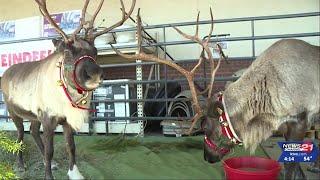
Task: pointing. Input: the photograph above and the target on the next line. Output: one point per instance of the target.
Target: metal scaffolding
(162, 46)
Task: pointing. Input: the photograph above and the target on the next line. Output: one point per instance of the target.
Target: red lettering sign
(3, 60)
(9, 59)
(17, 58)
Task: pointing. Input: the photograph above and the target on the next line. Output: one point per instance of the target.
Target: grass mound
(117, 143)
(121, 143)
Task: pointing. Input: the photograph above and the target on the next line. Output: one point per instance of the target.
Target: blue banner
(7, 30)
(298, 151)
(68, 22)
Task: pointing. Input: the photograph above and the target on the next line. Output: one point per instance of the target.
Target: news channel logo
(298, 151)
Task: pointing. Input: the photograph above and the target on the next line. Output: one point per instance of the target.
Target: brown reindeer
(280, 88)
(57, 90)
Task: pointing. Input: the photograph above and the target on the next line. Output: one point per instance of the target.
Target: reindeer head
(207, 57)
(78, 50)
(79, 63)
(215, 145)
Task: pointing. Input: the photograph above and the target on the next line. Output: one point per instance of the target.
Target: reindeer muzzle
(80, 88)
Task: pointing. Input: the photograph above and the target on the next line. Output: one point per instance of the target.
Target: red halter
(214, 147)
(225, 123)
(81, 90)
(226, 129)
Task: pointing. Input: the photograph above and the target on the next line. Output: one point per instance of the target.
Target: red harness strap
(225, 123)
(226, 129)
(80, 89)
(214, 147)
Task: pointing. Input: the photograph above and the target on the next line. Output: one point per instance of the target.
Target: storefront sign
(15, 53)
(23, 52)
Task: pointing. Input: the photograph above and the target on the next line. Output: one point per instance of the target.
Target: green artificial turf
(123, 157)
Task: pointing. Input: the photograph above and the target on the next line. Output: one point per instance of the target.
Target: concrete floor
(273, 150)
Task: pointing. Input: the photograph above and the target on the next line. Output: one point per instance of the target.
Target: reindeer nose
(211, 156)
(212, 159)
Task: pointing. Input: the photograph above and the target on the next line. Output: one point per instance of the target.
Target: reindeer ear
(55, 42)
(213, 109)
(58, 44)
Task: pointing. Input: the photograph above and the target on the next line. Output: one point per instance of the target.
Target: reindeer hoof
(20, 172)
(48, 177)
(54, 165)
(74, 173)
(20, 168)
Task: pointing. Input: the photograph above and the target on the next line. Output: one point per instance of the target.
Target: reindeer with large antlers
(280, 88)
(57, 90)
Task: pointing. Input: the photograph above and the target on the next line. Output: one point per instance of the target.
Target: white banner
(32, 27)
(21, 29)
(24, 52)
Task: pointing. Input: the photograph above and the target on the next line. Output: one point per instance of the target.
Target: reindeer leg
(73, 172)
(20, 131)
(35, 132)
(49, 125)
(295, 131)
(315, 166)
(293, 170)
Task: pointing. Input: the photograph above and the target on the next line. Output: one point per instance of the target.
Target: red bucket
(251, 168)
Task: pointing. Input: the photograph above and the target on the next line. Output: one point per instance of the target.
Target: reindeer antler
(188, 74)
(90, 35)
(83, 21)
(43, 9)
(205, 45)
(90, 23)
(125, 16)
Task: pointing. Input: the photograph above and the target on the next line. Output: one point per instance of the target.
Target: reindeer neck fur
(245, 107)
(250, 106)
(74, 116)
